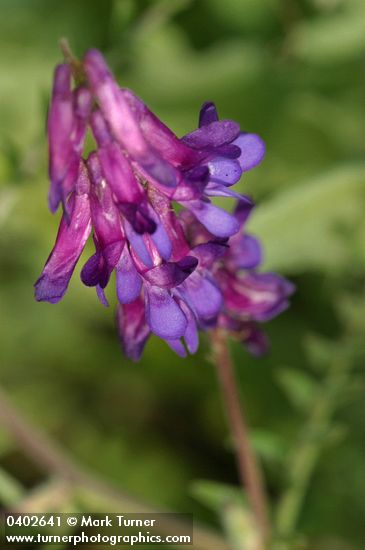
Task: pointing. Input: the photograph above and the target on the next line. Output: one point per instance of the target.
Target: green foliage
(231, 506)
(331, 39)
(269, 445)
(300, 387)
(316, 225)
(217, 495)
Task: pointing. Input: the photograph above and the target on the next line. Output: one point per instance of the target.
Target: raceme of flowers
(181, 262)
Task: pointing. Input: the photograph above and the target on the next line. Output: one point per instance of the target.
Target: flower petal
(70, 242)
(133, 329)
(255, 340)
(71, 150)
(191, 335)
(204, 296)
(165, 213)
(164, 317)
(213, 135)
(119, 174)
(220, 190)
(101, 295)
(114, 108)
(208, 114)
(95, 272)
(104, 213)
(208, 253)
(60, 125)
(188, 190)
(99, 266)
(215, 219)
(109, 236)
(138, 216)
(228, 150)
(252, 150)
(171, 274)
(159, 136)
(245, 252)
(178, 347)
(123, 121)
(223, 170)
(243, 210)
(160, 237)
(138, 247)
(256, 296)
(129, 282)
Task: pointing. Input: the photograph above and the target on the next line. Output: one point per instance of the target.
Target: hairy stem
(247, 463)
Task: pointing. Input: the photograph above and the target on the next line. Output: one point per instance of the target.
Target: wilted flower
(125, 191)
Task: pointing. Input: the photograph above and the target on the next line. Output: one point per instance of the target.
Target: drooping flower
(251, 297)
(125, 192)
(67, 121)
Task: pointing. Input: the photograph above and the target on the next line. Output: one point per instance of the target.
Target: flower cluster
(181, 262)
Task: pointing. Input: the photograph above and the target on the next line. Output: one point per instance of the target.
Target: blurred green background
(292, 71)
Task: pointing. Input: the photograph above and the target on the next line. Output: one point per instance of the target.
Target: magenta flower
(250, 297)
(175, 274)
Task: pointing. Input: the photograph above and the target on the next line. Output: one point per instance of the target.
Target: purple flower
(67, 119)
(70, 242)
(246, 296)
(175, 273)
(250, 297)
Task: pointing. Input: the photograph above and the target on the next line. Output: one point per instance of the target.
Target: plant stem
(75, 64)
(70, 482)
(248, 467)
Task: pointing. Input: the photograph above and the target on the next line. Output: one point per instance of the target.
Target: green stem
(75, 64)
(306, 454)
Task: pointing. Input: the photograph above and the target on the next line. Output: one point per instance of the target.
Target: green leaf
(311, 225)
(240, 528)
(230, 504)
(268, 445)
(217, 495)
(300, 387)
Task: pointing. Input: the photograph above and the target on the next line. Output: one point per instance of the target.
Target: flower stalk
(74, 63)
(247, 464)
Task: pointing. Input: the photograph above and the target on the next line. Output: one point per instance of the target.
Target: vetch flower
(71, 239)
(176, 273)
(67, 120)
(250, 296)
